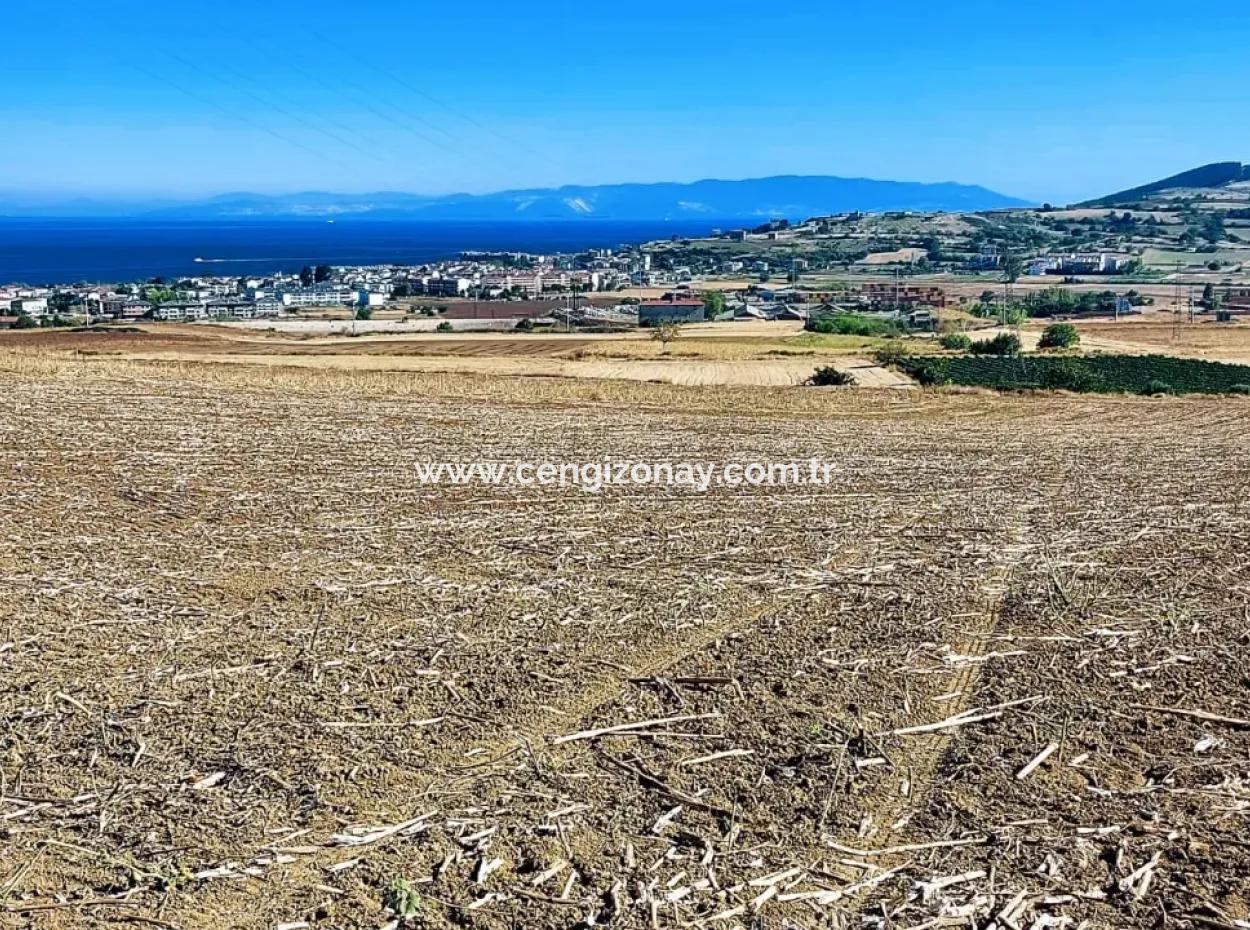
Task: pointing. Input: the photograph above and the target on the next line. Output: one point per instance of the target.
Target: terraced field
(254, 675)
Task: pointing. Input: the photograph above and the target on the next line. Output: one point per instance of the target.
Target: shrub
(364, 313)
(931, 375)
(1006, 344)
(1155, 387)
(1059, 336)
(24, 321)
(525, 325)
(1068, 374)
(892, 354)
(1240, 389)
(828, 376)
(961, 342)
(444, 327)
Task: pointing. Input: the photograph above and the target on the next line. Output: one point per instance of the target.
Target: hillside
(1218, 174)
(789, 197)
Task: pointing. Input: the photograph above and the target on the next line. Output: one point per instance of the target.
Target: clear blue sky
(186, 97)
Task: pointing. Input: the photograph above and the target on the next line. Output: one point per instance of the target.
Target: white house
(34, 307)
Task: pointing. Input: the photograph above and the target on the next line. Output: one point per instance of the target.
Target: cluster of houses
(916, 306)
(485, 276)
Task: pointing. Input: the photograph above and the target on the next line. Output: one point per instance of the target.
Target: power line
(206, 101)
(296, 117)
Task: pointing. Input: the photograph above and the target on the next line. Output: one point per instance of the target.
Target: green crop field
(1130, 374)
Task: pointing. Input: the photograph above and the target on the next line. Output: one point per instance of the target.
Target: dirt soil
(253, 674)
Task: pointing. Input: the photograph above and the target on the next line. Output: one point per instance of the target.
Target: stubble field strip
(255, 677)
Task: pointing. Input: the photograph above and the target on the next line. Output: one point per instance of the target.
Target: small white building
(33, 307)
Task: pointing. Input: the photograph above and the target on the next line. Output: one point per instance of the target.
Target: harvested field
(773, 354)
(255, 675)
(1228, 342)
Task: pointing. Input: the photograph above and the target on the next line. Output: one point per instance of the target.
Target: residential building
(319, 295)
(34, 307)
(121, 307)
(181, 311)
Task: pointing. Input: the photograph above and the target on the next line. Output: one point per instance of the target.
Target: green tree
(960, 342)
(307, 276)
(714, 303)
(25, 321)
(1212, 228)
(322, 273)
(1059, 336)
(1005, 344)
(158, 295)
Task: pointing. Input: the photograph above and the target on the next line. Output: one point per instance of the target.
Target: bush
(1069, 374)
(24, 321)
(444, 327)
(960, 342)
(1156, 387)
(931, 374)
(828, 376)
(1059, 336)
(1240, 389)
(1006, 344)
(364, 313)
(892, 354)
(525, 325)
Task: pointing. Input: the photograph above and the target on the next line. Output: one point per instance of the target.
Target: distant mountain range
(789, 197)
(1219, 174)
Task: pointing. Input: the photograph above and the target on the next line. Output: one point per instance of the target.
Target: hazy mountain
(789, 197)
(1219, 174)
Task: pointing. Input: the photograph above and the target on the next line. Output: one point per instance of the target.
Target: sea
(66, 251)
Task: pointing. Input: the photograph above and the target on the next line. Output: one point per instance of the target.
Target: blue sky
(188, 98)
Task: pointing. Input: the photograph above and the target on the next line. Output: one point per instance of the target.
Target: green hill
(1218, 174)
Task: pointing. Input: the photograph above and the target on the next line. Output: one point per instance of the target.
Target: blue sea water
(63, 251)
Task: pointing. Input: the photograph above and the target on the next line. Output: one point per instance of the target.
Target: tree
(714, 304)
(364, 313)
(1059, 336)
(1212, 228)
(322, 273)
(63, 301)
(307, 276)
(960, 342)
(24, 321)
(1006, 344)
(158, 295)
(665, 332)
